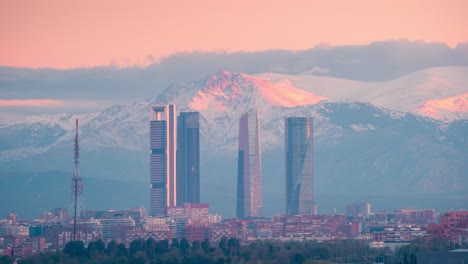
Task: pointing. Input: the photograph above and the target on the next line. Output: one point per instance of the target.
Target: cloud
(32, 103)
(51, 103)
(150, 59)
(316, 70)
(17, 109)
(378, 61)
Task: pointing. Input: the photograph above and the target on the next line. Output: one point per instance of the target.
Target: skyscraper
(163, 144)
(188, 158)
(299, 166)
(249, 168)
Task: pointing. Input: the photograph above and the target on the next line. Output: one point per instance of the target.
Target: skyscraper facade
(188, 158)
(299, 165)
(249, 168)
(163, 145)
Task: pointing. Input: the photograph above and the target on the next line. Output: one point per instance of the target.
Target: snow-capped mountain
(439, 93)
(221, 99)
(366, 134)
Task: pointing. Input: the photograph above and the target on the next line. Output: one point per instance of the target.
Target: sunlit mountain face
(438, 93)
(224, 88)
(446, 107)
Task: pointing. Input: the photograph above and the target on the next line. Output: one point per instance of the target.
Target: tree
(164, 245)
(96, 249)
(196, 245)
(122, 251)
(91, 249)
(136, 245)
(175, 243)
(246, 254)
(233, 242)
(75, 249)
(206, 245)
(233, 246)
(413, 259)
(137, 260)
(150, 247)
(172, 256)
(5, 260)
(223, 243)
(298, 258)
(112, 248)
(405, 259)
(270, 250)
(100, 246)
(184, 245)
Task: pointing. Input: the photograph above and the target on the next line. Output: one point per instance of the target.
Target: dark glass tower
(249, 167)
(188, 158)
(299, 166)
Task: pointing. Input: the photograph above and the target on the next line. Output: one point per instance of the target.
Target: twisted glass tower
(299, 166)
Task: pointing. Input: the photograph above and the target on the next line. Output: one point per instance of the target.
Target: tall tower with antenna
(76, 184)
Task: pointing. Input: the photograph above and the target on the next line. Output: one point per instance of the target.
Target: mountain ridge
(221, 99)
(359, 147)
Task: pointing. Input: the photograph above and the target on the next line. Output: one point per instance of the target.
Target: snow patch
(449, 108)
(434, 92)
(283, 93)
(362, 127)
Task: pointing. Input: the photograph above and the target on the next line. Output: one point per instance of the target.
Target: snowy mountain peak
(218, 90)
(284, 93)
(438, 93)
(453, 107)
(224, 88)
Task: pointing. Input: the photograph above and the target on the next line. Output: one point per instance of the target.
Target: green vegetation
(231, 251)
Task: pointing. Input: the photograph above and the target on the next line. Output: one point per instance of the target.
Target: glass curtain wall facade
(249, 170)
(163, 143)
(188, 158)
(299, 166)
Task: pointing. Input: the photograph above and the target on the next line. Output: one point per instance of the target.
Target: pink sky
(68, 34)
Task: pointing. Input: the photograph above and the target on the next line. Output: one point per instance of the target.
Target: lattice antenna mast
(77, 183)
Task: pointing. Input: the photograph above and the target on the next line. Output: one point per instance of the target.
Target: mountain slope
(439, 93)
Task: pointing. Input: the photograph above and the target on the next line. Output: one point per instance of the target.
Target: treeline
(232, 251)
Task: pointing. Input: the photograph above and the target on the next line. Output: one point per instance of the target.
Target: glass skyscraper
(249, 168)
(188, 158)
(163, 144)
(299, 166)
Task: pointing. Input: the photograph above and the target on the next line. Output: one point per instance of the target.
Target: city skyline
(182, 182)
(123, 129)
(249, 167)
(191, 222)
(233, 131)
